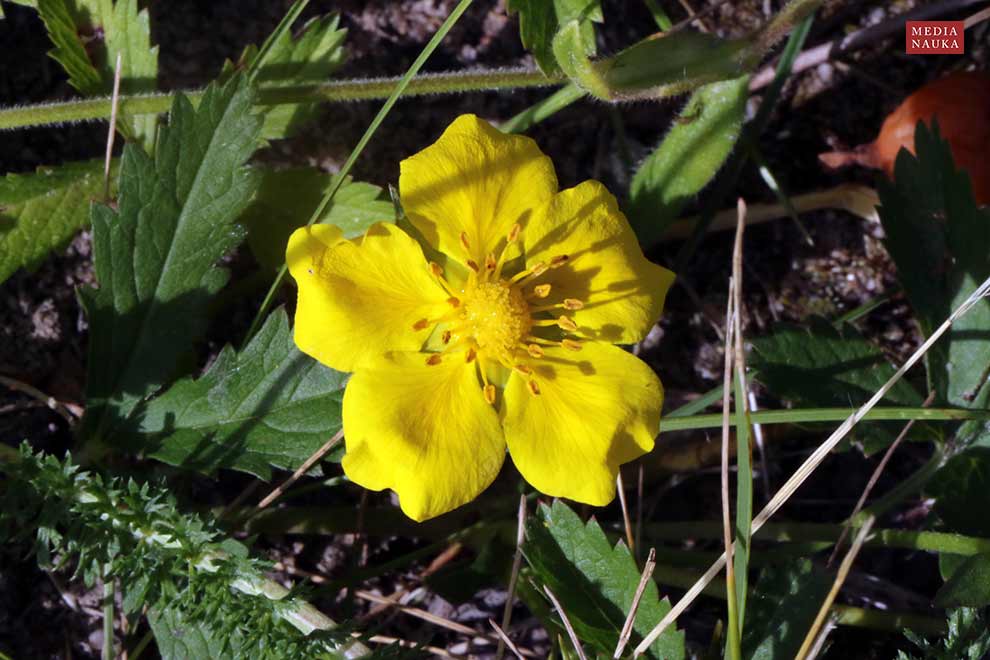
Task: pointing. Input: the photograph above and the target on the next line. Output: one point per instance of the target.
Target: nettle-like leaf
(594, 581)
(88, 35)
(940, 242)
(267, 405)
(824, 366)
(782, 606)
(539, 21)
(311, 57)
(688, 157)
(41, 211)
(968, 639)
(155, 256)
(287, 199)
(178, 638)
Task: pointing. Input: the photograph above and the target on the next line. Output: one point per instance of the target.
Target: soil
(43, 331)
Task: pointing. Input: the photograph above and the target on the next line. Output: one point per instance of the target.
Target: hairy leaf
(539, 21)
(969, 585)
(968, 639)
(940, 242)
(287, 199)
(155, 256)
(782, 606)
(40, 212)
(594, 581)
(88, 35)
(267, 405)
(312, 57)
(688, 157)
(961, 489)
(179, 638)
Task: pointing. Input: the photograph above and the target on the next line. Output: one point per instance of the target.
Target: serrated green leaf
(688, 157)
(180, 639)
(266, 406)
(940, 242)
(594, 581)
(88, 35)
(782, 606)
(155, 257)
(40, 212)
(539, 21)
(312, 57)
(969, 585)
(968, 638)
(961, 489)
(286, 199)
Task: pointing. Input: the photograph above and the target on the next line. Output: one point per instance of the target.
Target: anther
(513, 233)
(445, 337)
(436, 269)
(490, 394)
(534, 388)
(572, 304)
(559, 260)
(470, 355)
(434, 359)
(490, 263)
(541, 290)
(534, 350)
(567, 323)
(571, 344)
(454, 302)
(523, 369)
(421, 324)
(473, 265)
(539, 269)
(464, 242)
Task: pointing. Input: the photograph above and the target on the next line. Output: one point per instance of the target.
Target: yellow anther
(445, 337)
(470, 355)
(567, 323)
(534, 350)
(572, 304)
(465, 243)
(490, 263)
(436, 269)
(523, 369)
(571, 344)
(490, 394)
(454, 302)
(473, 265)
(421, 324)
(559, 260)
(434, 359)
(541, 290)
(534, 387)
(514, 233)
(538, 269)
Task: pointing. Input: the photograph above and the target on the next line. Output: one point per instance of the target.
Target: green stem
(787, 532)
(338, 91)
(397, 90)
(806, 415)
(108, 595)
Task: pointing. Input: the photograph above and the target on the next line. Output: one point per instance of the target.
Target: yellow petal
(358, 300)
(425, 431)
(476, 180)
(595, 410)
(622, 291)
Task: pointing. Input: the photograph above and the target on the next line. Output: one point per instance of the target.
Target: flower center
(496, 315)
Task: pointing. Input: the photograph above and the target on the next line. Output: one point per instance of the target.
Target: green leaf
(287, 199)
(782, 607)
(969, 585)
(688, 157)
(822, 365)
(267, 406)
(88, 35)
(940, 242)
(594, 581)
(312, 57)
(540, 20)
(961, 489)
(178, 638)
(968, 639)
(155, 257)
(40, 212)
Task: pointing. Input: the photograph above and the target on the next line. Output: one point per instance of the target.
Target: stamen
(510, 238)
(465, 243)
(421, 324)
(454, 302)
(490, 263)
(534, 387)
(514, 233)
(571, 344)
(567, 323)
(436, 269)
(470, 355)
(572, 304)
(490, 394)
(473, 265)
(559, 260)
(523, 369)
(534, 350)
(541, 290)
(445, 337)
(434, 359)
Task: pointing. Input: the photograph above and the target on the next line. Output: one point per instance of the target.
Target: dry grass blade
(805, 652)
(504, 640)
(406, 644)
(49, 401)
(627, 627)
(730, 577)
(114, 104)
(567, 623)
(514, 576)
(630, 538)
(978, 17)
(300, 471)
(812, 462)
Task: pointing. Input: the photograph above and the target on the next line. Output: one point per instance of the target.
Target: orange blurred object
(961, 102)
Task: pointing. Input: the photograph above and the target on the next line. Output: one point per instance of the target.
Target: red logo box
(935, 38)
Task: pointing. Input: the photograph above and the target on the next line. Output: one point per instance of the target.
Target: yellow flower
(494, 326)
